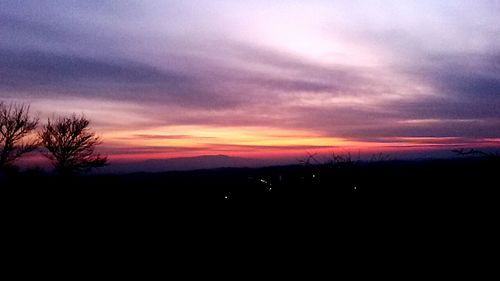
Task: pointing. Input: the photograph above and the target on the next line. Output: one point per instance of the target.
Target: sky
(262, 79)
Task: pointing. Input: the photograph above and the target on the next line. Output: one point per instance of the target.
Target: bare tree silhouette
(71, 145)
(472, 152)
(15, 127)
(310, 160)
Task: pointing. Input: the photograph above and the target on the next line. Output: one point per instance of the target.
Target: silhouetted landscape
(147, 110)
(187, 163)
(343, 185)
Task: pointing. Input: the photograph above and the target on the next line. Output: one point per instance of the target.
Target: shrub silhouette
(71, 145)
(15, 126)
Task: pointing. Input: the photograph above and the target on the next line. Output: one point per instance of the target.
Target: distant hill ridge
(187, 163)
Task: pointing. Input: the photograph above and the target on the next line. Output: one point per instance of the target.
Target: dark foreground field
(440, 206)
(416, 186)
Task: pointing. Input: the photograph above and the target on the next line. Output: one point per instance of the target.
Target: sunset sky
(263, 79)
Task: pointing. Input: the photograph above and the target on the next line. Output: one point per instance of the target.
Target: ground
(367, 185)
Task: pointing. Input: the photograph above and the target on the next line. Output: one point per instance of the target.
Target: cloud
(167, 137)
(137, 149)
(65, 75)
(464, 75)
(18, 29)
(418, 70)
(218, 87)
(35, 67)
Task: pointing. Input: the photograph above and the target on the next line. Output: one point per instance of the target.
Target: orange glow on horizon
(257, 142)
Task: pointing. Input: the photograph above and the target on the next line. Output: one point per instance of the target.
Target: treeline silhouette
(335, 182)
(66, 140)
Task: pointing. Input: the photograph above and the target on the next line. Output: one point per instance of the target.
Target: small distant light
(225, 197)
(314, 176)
(355, 188)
